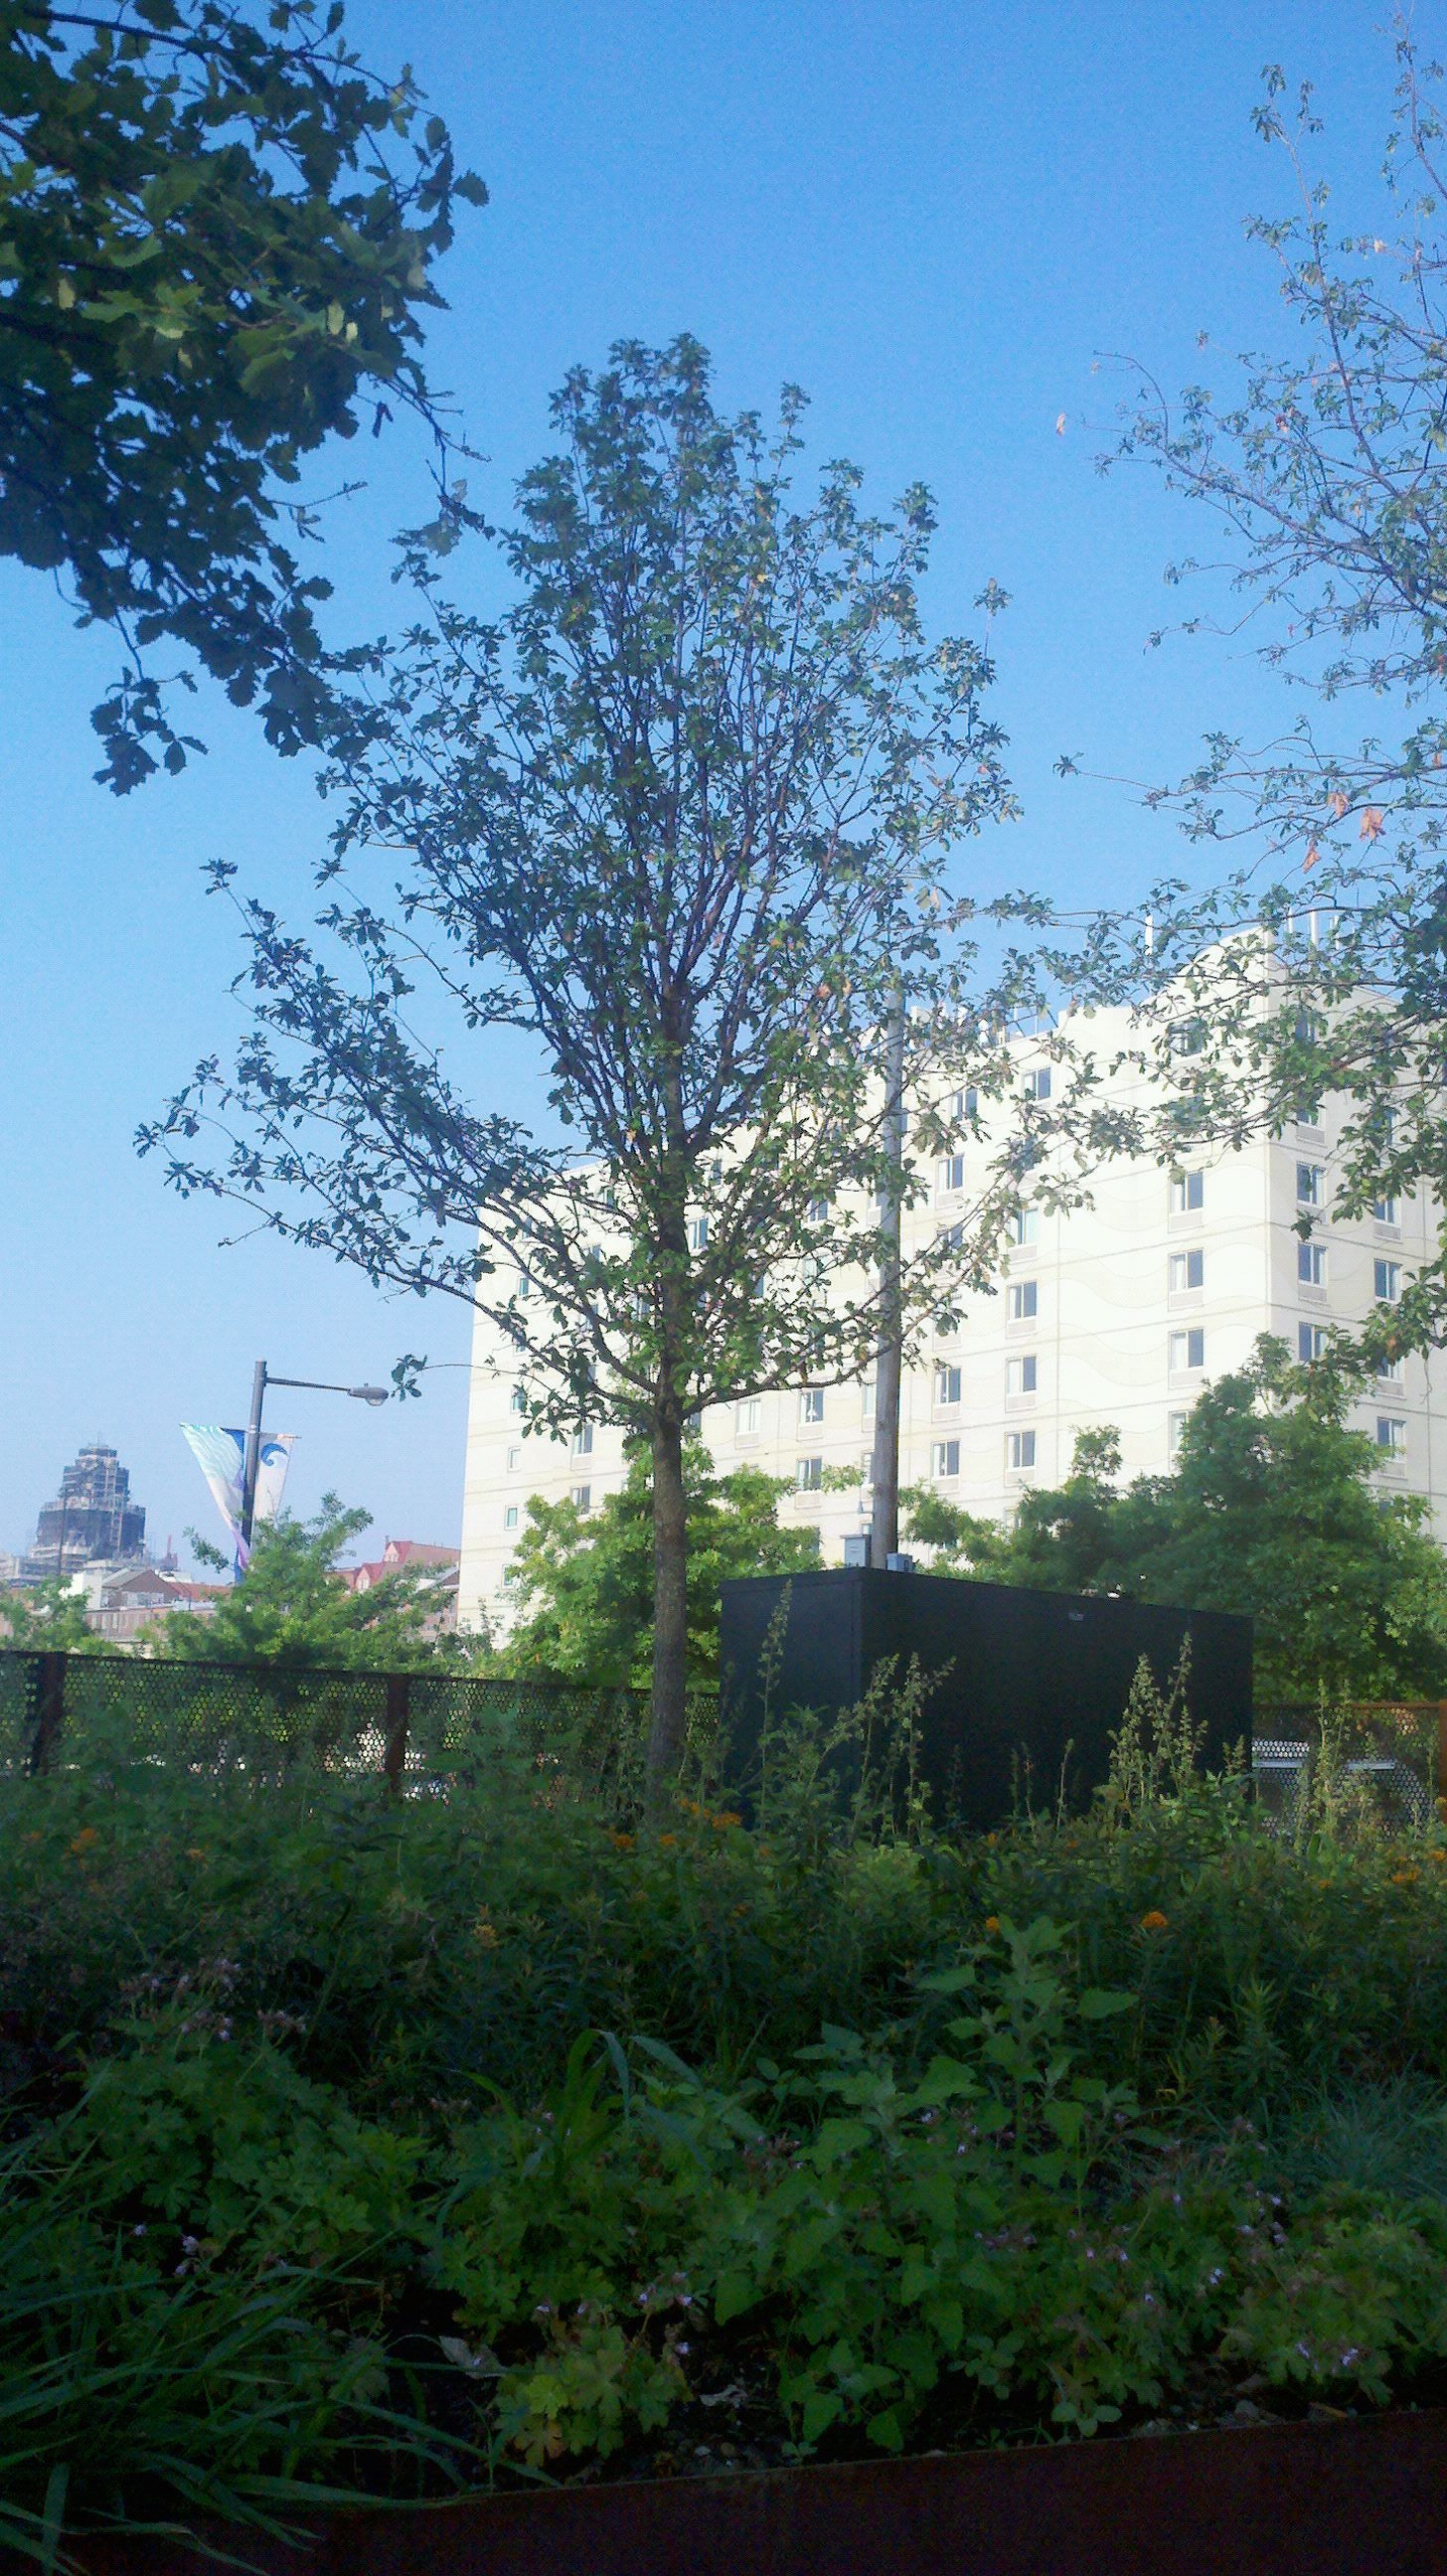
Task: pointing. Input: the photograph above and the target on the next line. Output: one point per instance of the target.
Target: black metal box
(1037, 1682)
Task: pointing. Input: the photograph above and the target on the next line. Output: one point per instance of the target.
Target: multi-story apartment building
(1118, 1313)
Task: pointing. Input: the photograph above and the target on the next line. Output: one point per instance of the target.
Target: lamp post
(262, 1378)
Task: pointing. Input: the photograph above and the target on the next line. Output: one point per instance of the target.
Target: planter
(1365, 2496)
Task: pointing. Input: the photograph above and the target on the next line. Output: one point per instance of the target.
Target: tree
(1321, 966)
(46, 1617)
(207, 260)
(1274, 1508)
(682, 817)
(293, 1606)
(584, 1584)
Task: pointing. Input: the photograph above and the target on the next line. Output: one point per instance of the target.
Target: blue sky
(933, 215)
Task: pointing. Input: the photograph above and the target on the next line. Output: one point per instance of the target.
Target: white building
(1117, 1313)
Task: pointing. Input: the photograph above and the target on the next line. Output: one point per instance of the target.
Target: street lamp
(263, 1378)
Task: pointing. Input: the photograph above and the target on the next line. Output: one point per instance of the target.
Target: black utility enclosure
(1037, 1685)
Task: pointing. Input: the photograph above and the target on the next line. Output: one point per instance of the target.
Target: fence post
(49, 1709)
(394, 1749)
(1442, 1748)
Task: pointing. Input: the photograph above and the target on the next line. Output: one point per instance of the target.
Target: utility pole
(262, 1378)
(888, 1359)
(251, 1461)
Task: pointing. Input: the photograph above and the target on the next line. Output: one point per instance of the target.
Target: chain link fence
(421, 1731)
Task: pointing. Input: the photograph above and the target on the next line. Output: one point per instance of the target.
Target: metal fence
(420, 1731)
(1390, 1753)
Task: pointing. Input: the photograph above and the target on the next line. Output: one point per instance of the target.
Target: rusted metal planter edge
(1365, 2496)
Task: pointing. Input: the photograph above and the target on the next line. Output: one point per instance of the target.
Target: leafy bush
(542, 2141)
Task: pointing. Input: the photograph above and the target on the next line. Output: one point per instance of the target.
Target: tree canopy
(292, 1606)
(583, 1583)
(1275, 1508)
(1320, 966)
(683, 816)
(217, 231)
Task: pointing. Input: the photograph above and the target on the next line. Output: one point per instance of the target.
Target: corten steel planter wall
(1364, 2497)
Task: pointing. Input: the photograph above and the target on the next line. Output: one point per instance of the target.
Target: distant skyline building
(92, 1519)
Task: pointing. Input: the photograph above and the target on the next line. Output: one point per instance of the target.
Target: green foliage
(431, 2132)
(1320, 463)
(584, 1585)
(206, 261)
(293, 1607)
(1274, 1508)
(614, 839)
(46, 1616)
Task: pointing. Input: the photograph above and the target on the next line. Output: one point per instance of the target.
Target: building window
(1387, 1211)
(951, 1174)
(1188, 1190)
(866, 1394)
(510, 1517)
(1020, 1376)
(1391, 1435)
(811, 1404)
(1311, 1264)
(583, 1440)
(1019, 1449)
(952, 1238)
(808, 1475)
(1025, 1225)
(1386, 1282)
(1310, 1184)
(1188, 1037)
(1186, 1270)
(697, 1233)
(1186, 1350)
(966, 1103)
(866, 1470)
(693, 1426)
(1310, 1342)
(525, 1285)
(946, 1458)
(747, 1415)
(948, 1385)
(583, 1498)
(514, 1461)
(818, 1211)
(1175, 1434)
(517, 1401)
(1024, 1301)
(1037, 1082)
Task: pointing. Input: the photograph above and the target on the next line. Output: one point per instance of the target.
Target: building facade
(92, 1520)
(1116, 1313)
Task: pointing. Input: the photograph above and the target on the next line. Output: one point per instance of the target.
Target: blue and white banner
(220, 1453)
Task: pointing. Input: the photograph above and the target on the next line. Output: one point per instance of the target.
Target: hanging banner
(220, 1453)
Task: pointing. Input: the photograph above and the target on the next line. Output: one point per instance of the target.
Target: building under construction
(92, 1520)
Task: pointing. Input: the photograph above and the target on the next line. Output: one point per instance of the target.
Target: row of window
(1312, 1265)
(1391, 1441)
(944, 1462)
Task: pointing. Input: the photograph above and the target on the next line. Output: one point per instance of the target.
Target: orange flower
(86, 1839)
(621, 1842)
(1155, 1921)
(992, 1923)
(724, 1821)
(668, 1842)
(1405, 1877)
(194, 1852)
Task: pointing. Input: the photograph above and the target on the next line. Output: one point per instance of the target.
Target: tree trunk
(670, 1611)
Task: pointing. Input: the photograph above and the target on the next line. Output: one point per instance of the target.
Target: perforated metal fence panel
(422, 1730)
